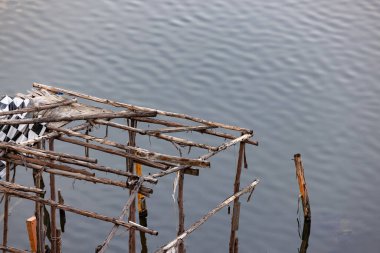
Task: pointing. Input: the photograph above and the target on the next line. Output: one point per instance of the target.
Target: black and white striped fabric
(17, 133)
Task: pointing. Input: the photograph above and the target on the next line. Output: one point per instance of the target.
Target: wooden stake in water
(6, 209)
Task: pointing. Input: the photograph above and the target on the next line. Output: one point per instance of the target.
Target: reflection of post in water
(143, 213)
(305, 203)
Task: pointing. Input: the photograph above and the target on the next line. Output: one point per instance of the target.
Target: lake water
(304, 75)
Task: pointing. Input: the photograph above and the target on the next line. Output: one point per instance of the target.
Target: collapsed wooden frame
(32, 155)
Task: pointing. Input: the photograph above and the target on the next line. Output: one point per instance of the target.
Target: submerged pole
(181, 212)
(233, 246)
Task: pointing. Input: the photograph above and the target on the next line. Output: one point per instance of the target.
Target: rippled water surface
(304, 75)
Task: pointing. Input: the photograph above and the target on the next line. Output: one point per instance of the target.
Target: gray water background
(304, 75)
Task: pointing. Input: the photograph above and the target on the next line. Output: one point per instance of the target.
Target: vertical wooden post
(302, 185)
(305, 203)
(181, 212)
(132, 209)
(233, 247)
(6, 208)
(58, 246)
(31, 226)
(53, 208)
(40, 212)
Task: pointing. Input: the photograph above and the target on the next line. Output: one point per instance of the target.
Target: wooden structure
(69, 117)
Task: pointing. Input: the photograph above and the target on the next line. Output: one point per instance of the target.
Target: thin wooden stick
(236, 208)
(6, 209)
(207, 131)
(22, 188)
(101, 248)
(53, 208)
(139, 152)
(197, 224)
(115, 152)
(143, 190)
(29, 160)
(106, 115)
(226, 145)
(39, 108)
(156, 134)
(78, 211)
(179, 129)
(139, 108)
(181, 211)
(170, 171)
(12, 250)
(132, 208)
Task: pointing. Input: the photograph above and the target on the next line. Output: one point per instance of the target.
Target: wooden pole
(141, 204)
(302, 186)
(236, 209)
(85, 213)
(39, 108)
(207, 131)
(305, 203)
(140, 108)
(143, 190)
(31, 226)
(101, 248)
(197, 224)
(136, 152)
(6, 208)
(105, 115)
(132, 209)
(12, 250)
(53, 208)
(181, 211)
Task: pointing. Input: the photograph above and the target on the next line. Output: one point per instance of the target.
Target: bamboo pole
(207, 131)
(39, 108)
(197, 224)
(140, 108)
(31, 226)
(101, 248)
(85, 213)
(181, 211)
(236, 208)
(105, 115)
(302, 186)
(6, 209)
(139, 152)
(12, 250)
(158, 135)
(53, 208)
